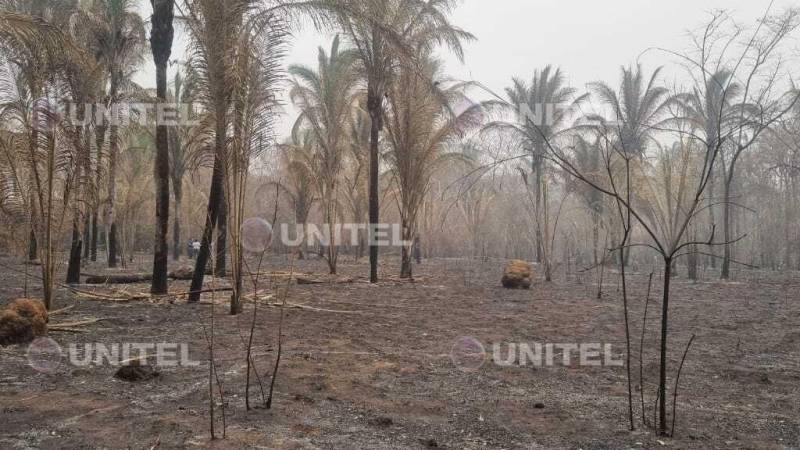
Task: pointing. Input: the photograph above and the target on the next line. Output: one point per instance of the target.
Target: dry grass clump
(22, 321)
(518, 274)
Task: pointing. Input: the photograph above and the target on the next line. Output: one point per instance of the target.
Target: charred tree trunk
(692, 263)
(112, 245)
(375, 108)
(100, 137)
(95, 232)
(33, 249)
(74, 267)
(222, 233)
(726, 227)
(176, 226)
(161, 46)
(236, 297)
(712, 219)
(215, 199)
(87, 236)
(548, 240)
(406, 266)
(537, 206)
(111, 220)
(74, 264)
(662, 379)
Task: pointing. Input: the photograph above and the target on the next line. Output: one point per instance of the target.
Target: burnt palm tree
(38, 170)
(214, 28)
(324, 96)
(380, 30)
(179, 152)
(118, 42)
(161, 37)
(224, 38)
(637, 109)
(357, 169)
(298, 180)
(637, 112)
(423, 127)
(543, 110)
(712, 110)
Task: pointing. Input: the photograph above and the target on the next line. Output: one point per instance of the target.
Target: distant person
(196, 247)
(417, 250)
(190, 248)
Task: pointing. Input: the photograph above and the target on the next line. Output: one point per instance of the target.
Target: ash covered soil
(368, 366)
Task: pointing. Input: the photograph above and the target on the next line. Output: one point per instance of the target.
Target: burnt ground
(371, 366)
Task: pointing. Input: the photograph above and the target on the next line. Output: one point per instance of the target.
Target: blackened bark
(692, 260)
(161, 45)
(375, 107)
(222, 232)
(95, 232)
(662, 379)
(100, 137)
(726, 231)
(406, 270)
(214, 201)
(74, 266)
(112, 245)
(176, 229)
(87, 236)
(33, 249)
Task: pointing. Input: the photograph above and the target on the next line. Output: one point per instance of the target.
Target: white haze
(588, 40)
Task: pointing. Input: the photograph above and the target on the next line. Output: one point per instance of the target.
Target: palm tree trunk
(33, 244)
(176, 225)
(406, 266)
(375, 108)
(547, 244)
(111, 221)
(215, 200)
(662, 379)
(100, 137)
(330, 218)
(87, 236)
(236, 296)
(222, 233)
(161, 46)
(95, 232)
(32, 247)
(726, 230)
(303, 248)
(712, 219)
(74, 266)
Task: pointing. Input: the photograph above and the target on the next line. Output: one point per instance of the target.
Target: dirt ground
(371, 367)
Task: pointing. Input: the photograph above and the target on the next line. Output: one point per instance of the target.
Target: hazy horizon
(508, 43)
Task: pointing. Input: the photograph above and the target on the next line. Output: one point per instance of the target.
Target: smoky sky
(588, 39)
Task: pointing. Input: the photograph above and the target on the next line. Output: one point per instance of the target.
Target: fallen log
(119, 279)
(81, 323)
(66, 330)
(119, 297)
(73, 327)
(313, 281)
(187, 273)
(181, 274)
(61, 311)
